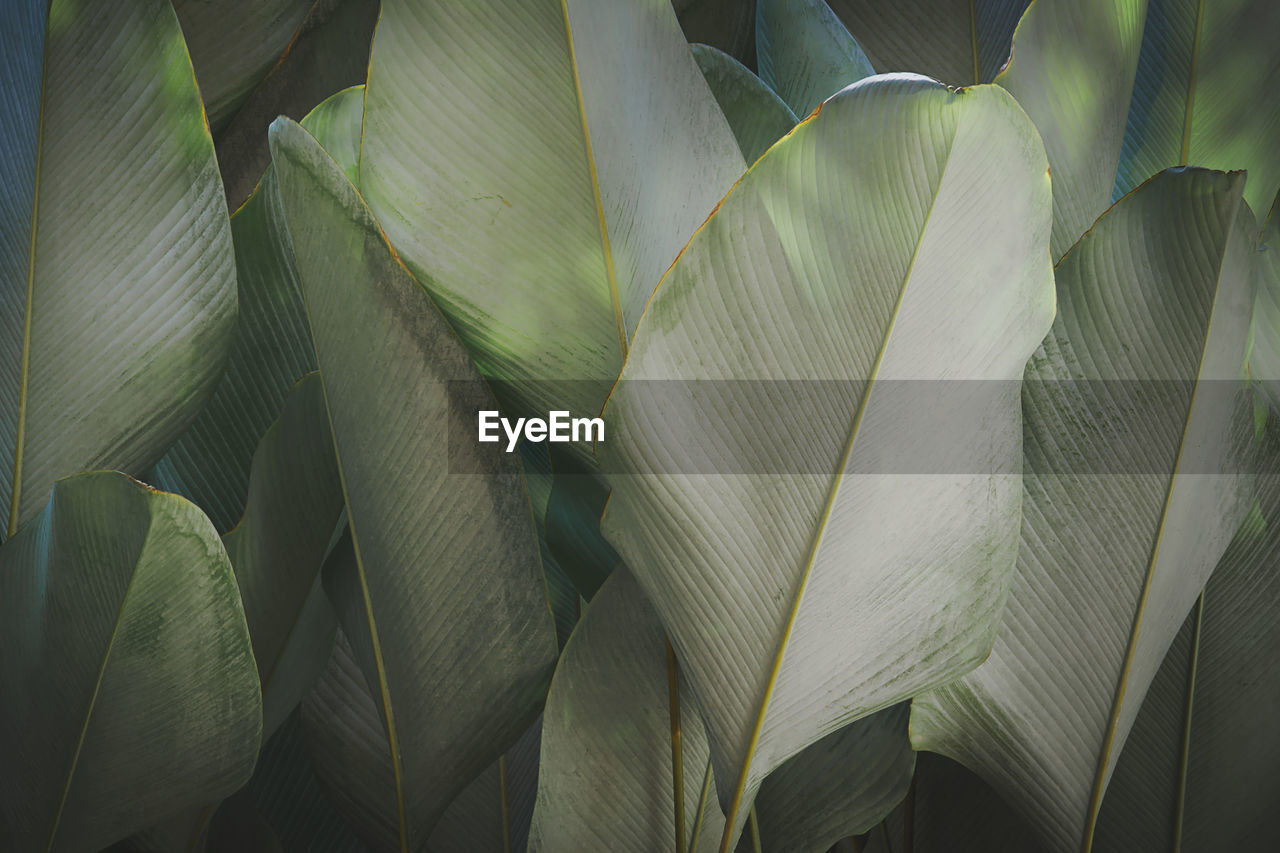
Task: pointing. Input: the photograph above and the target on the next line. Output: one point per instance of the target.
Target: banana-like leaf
(1207, 94)
(806, 579)
(329, 54)
(805, 53)
(444, 601)
(494, 812)
(117, 278)
(566, 168)
(288, 796)
(757, 116)
(1072, 70)
(561, 592)
(577, 499)
(606, 778)
(842, 785)
(727, 25)
(234, 44)
(131, 685)
(960, 42)
(1264, 356)
(271, 351)
(1135, 423)
(1198, 771)
(295, 498)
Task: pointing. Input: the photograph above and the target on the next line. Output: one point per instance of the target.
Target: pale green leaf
(805, 53)
(1072, 70)
(444, 601)
(123, 634)
(960, 42)
(901, 233)
(234, 43)
(606, 780)
(1136, 415)
(1199, 767)
(271, 351)
(1264, 356)
(537, 173)
(329, 53)
(117, 277)
(1207, 94)
(757, 116)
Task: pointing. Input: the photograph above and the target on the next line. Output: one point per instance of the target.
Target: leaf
(122, 630)
(494, 811)
(329, 53)
(1199, 766)
(1207, 94)
(960, 42)
(540, 247)
(842, 785)
(444, 602)
(116, 270)
(233, 45)
(577, 499)
(727, 25)
(286, 793)
(899, 234)
(1072, 70)
(295, 498)
(805, 53)
(1135, 415)
(758, 117)
(272, 348)
(1264, 357)
(606, 778)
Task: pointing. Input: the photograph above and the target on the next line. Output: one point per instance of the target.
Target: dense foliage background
(938, 507)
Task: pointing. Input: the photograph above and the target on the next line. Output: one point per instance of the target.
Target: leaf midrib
(824, 518)
(24, 371)
(1108, 744)
(97, 686)
(606, 246)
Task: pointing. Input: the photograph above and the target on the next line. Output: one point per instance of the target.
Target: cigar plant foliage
(935, 348)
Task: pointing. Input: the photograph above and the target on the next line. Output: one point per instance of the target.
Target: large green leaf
(1199, 767)
(757, 116)
(805, 53)
(295, 498)
(842, 785)
(210, 463)
(1207, 94)
(495, 810)
(565, 168)
(960, 42)
(1135, 420)
(126, 661)
(444, 601)
(808, 571)
(234, 43)
(329, 54)
(606, 776)
(1072, 70)
(117, 279)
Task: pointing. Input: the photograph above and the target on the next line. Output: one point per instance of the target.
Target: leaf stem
(1192, 666)
(506, 807)
(677, 756)
(753, 825)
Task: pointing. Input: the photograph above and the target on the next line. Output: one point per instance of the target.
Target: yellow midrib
(1113, 720)
(1184, 153)
(20, 433)
(606, 247)
(824, 518)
